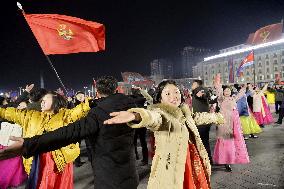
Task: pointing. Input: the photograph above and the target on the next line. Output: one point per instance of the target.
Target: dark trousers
(141, 133)
(78, 159)
(204, 135)
(281, 115)
(277, 106)
(89, 152)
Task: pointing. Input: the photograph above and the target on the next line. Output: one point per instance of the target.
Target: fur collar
(177, 112)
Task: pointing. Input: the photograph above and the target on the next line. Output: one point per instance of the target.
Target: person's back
(113, 145)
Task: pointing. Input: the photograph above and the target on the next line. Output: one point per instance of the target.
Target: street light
(85, 90)
(20, 90)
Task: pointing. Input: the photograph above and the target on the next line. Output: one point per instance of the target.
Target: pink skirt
(234, 150)
(12, 172)
(268, 116)
(263, 120)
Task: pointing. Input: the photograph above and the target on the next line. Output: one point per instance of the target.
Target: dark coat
(114, 161)
(200, 104)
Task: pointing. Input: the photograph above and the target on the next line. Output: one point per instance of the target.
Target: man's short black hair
(106, 85)
(199, 82)
(36, 94)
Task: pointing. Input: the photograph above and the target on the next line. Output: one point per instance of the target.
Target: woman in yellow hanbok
(51, 170)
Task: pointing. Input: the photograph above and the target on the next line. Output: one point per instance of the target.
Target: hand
(14, 150)
(29, 88)
(69, 99)
(200, 93)
(244, 86)
(120, 117)
(217, 80)
(7, 95)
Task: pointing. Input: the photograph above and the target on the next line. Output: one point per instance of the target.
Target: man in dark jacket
(200, 103)
(114, 160)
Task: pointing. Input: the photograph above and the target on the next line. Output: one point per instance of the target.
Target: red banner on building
(266, 34)
(231, 71)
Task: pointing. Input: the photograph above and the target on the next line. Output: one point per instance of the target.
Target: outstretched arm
(74, 114)
(241, 93)
(14, 115)
(148, 98)
(54, 140)
(264, 88)
(63, 136)
(139, 117)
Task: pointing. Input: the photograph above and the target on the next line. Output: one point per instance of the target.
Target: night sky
(136, 33)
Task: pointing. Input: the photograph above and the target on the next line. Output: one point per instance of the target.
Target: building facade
(161, 69)
(189, 57)
(268, 63)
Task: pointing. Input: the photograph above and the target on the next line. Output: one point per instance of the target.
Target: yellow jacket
(270, 97)
(36, 123)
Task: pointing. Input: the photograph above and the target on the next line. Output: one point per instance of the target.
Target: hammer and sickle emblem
(64, 32)
(264, 35)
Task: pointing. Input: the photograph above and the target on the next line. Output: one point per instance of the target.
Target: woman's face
(227, 92)
(46, 103)
(80, 97)
(171, 95)
(22, 105)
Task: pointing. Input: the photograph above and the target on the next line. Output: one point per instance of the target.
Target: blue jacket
(242, 105)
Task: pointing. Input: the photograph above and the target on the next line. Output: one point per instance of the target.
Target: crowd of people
(179, 121)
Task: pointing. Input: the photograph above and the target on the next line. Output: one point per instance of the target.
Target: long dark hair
(160, 88)
(58, 101)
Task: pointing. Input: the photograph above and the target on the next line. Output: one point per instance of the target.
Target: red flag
(231, 70)
(249, 60)
(61, 34)
(268, 33)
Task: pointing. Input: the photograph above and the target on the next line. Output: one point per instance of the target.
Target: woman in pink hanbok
(230, 146)
(261, 110)
(12, 172)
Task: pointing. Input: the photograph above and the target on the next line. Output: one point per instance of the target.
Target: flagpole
(253, 69)
(59, 79)
(48, 59)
